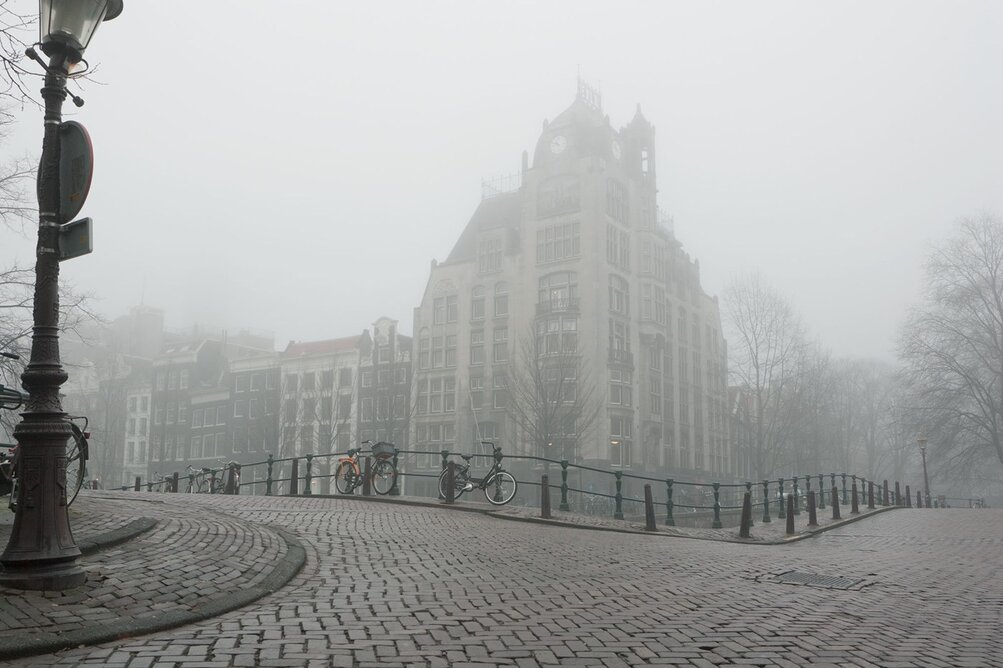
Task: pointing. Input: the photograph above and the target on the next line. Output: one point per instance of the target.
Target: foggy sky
(295, 166)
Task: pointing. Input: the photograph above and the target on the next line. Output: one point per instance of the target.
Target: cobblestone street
(394, 585)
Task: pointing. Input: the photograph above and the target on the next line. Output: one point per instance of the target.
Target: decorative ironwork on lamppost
(921, 441)
(41, 553)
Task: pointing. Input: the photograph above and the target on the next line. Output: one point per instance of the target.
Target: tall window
(616, 201)
(620, 432)
(560, 241)
(451, 308)
(620, 387)
(619, 295)
(450, 350)
(500, 341)
(477, 303)
(476, 346)
(617, 247)
(476, 392)
(424, 350)
(489, 255)
(501, 299)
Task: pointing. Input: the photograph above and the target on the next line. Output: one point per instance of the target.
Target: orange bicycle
(348, 475)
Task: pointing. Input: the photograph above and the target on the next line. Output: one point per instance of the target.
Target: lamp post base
(43, 577)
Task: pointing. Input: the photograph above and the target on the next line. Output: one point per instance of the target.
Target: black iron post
(716, 524)
(618, 510)
(669, 520)
(797, 500)
(821, 492)
(564, 507)
(394, 489)
(781, 511)
(926, 478)
(766, 502)
(41, 552)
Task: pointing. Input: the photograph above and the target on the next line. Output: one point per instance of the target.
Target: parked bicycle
(204, 480)
(499, 485)
(383, 474)
(77, 449)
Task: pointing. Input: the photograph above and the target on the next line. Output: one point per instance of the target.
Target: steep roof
(501, 211)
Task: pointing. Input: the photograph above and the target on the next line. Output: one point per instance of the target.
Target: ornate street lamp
(926, 479)
(41, 553)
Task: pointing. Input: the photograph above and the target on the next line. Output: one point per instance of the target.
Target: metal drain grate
(816, 580)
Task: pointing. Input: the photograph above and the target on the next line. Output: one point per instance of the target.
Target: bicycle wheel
(501, 488)
(76, 458)
(459, 483)
(384, 476)
(344, 478)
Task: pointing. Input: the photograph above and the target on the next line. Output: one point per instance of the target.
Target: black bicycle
(499, 485)
(77, 449)
(383, 475)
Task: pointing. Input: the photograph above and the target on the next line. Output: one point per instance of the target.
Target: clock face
(616, 150)
(558, 144)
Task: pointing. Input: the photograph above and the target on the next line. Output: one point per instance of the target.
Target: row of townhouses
(567, 323)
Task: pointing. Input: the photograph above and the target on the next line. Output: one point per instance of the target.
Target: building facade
(568, 322)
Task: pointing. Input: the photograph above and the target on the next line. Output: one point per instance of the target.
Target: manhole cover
(816, 580)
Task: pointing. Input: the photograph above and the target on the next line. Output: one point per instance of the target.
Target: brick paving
(187, 561)
(406, 585)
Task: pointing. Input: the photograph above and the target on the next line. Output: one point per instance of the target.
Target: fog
(295, 166)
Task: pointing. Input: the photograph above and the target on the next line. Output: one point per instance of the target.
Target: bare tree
(952, 348)
(767, 346)
(551, 397)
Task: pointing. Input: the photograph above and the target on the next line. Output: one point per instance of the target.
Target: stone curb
(496, 512)
(287, 568)
(117, 536)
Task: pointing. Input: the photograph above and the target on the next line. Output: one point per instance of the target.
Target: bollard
(308, 478)
(782, 504)
(545, 497)
(821, 492)
(812, 516)
(174, 482)
(843, 476)
(835, 504)
(908, 497)
(717, 506)
(884, 494)
(744, 529)
(766, 502)
(367, 477)
(898, 496)
(748, 490)
(564, 507)
(268, 477)
(450, 482)
(870, 495)
(790, 515)
(138, 484)
(618, 511)
(854, 501)
(669, 520)
(797, 501)
(649, 510)
(294, 478)
(919, 499)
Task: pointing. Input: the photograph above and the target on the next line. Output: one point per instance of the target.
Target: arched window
(558, 291)
(501, 299)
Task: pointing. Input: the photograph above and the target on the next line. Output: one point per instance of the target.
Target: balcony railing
(621, 356)
(569, 305)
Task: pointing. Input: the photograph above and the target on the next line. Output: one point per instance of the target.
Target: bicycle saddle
(466, 458)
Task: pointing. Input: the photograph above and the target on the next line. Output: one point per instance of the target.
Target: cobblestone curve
(391, 585)
(186, 562)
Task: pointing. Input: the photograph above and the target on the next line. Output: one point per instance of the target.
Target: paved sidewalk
(192, 564)
(389, 584)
